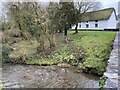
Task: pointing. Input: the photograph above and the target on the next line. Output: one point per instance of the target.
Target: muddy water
(28, 76)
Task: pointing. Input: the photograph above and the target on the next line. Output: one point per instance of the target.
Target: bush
(78, 52)
(5, 53)
(72, 55)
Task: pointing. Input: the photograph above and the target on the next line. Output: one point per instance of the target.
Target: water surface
(31, 76)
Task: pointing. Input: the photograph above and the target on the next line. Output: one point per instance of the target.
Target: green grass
(98, 46)
(88, 50)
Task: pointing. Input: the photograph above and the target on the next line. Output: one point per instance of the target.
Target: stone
(112, 70)
(8, 84)
(109, 70)
(111, 75)
(110, 84)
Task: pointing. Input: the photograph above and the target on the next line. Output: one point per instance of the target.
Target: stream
(31, 76)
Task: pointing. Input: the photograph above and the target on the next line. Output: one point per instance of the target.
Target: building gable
(98, 15)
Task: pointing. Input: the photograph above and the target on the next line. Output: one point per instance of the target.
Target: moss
(98, 15)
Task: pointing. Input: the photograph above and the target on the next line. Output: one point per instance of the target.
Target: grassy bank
(98, 46)
(88, 50)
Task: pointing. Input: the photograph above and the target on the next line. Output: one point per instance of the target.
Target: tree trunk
(50, 39)
(3, 28)
(41, 45)
(65, 33)
(76, 31)
(19, 26)
(52, 44)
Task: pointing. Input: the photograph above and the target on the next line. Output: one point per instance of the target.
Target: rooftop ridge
(103, 14)
(101, 10)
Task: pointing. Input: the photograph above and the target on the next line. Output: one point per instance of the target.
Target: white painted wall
(103, 24)
(112, 22)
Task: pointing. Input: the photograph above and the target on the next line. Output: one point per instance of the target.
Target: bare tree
(83, 7)
(3, 17)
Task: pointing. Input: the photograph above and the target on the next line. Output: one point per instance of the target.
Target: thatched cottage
(99, 20)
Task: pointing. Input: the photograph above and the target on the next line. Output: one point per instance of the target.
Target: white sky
(105, 3)
(112, 3)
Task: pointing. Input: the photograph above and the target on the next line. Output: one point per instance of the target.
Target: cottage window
(87, 25)
(79, 26)
(96, 25)
(96, 20)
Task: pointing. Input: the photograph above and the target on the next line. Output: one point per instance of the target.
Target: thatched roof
(98, 15)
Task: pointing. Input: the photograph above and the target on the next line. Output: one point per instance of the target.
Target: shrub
(5, 53)
(78, 52)
(72, 55)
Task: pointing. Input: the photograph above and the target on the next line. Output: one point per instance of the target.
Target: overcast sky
(105, 3)
(112, 3)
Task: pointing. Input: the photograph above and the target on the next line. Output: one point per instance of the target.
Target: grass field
(88, 50)
(98, 46)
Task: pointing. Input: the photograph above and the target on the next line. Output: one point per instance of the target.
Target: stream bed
(31, 76)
